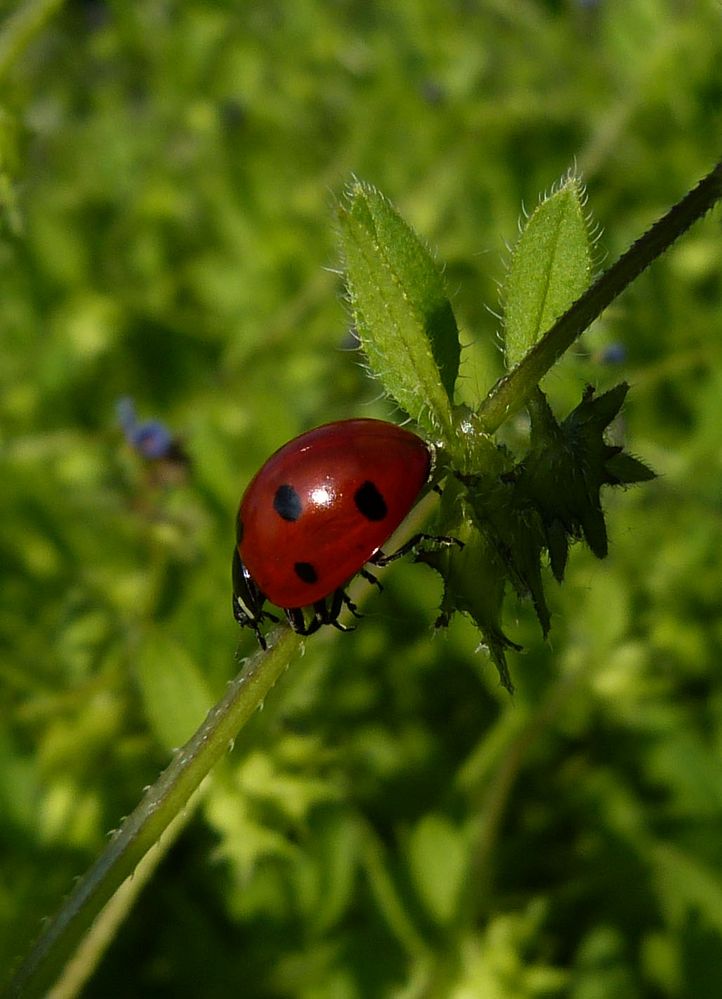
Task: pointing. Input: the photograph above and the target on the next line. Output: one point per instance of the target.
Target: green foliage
(164, 190)
(550, 268)
(174, 692)
(403, 317)
(438, 861)
(566, 467)
(509, 515)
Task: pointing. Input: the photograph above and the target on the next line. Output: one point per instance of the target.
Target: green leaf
(550, 268)
(336, 852)
(402, 314)
(566, 466)
(625, 469)
(438, 860)
(687, 884)
(474, 578)
(175, 695)
(512, 527)
(474, 584)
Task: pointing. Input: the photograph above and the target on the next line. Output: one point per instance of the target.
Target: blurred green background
(392, 824)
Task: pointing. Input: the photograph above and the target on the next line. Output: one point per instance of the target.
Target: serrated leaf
(402, 314)
(550, 268)
(626, 469)
(474, 580)
(566, 467)
(175, 694)
(514, 529)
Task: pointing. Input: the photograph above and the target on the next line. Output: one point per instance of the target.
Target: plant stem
(88, 955)
(160, 804)
(21, 27)
(512, 391)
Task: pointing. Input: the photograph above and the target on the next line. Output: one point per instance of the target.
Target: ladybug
(317, 512)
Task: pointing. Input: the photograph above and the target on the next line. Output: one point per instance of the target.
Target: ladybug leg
(246, 622)
(248, 600)
(341, 627)
(370, 578)
(323, 613)
(328, 613)
(381, 559)
(348, 602)
(295, 617)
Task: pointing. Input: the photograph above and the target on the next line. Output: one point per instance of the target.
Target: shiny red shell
(325, 503)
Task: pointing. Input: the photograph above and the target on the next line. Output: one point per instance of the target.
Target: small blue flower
(613, 353)
(151, 438)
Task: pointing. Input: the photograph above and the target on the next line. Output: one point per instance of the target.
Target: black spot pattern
(305, 572)
(287, 503)
(370, 502)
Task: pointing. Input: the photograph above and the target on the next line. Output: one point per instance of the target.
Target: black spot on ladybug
(305, 572)
(239, 530)
(287, 503)
(370, 502)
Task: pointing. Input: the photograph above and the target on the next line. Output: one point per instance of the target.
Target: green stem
(512, 391)
(20, 28)
(143, 827)
(88, 955)
(388, 898)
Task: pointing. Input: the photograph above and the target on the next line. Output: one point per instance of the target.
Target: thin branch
(21, 27)
(511, 392)
(144, 826)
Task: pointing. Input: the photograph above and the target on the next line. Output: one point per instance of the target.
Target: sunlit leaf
(550, 268)
(402, 314)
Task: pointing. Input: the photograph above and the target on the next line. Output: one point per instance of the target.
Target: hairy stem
(143, 827)
(512, 391)
(21, 27)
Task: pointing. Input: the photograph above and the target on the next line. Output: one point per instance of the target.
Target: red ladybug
(318, 511)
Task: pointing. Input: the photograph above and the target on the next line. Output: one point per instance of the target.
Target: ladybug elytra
(317, 512)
